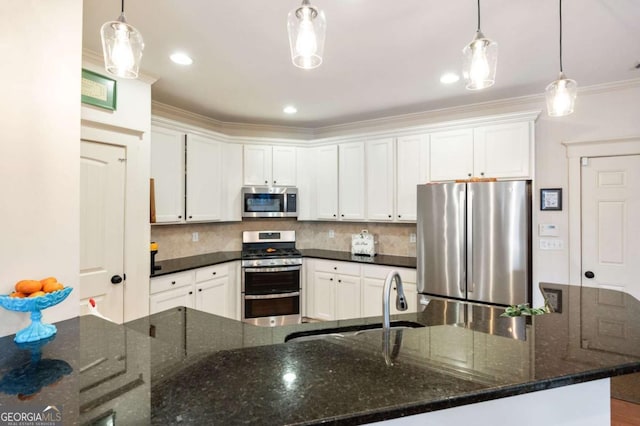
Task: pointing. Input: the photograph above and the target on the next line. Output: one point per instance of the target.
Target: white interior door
(102, 186)
(610, 225)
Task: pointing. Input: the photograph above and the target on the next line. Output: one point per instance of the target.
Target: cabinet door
(231, 197)
(372, 297)
(347, 297)
(326, 181)
(380, 178)
(171, 299)
(284, 165)
(351, 179)
(451, 155)
(213, 296)
(502, 150)
(204, 179)
(257, 165)
(412, 169)
(167, 171)
(304, 179)
(324, 296)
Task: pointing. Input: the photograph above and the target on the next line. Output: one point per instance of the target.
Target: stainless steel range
(271, 267)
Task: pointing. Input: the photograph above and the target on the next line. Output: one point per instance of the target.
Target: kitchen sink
(349, 330)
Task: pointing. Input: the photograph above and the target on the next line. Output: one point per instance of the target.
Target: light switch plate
(412, 237)
(332, 234)
(195, 237)
(551, 244)
(548, 230)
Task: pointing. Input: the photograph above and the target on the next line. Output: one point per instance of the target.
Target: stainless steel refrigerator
(474, 241)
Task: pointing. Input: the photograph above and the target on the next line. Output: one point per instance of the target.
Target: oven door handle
(276, 269)
(271, 296)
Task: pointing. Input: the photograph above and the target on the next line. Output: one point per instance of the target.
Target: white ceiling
(382, 57)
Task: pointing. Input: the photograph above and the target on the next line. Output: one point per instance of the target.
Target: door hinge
(584, 161)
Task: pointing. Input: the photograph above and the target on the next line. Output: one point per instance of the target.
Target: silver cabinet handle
(271, 296)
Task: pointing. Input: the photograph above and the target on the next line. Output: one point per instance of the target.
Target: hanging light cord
(122, 6)
(478, 15)
(560, 35)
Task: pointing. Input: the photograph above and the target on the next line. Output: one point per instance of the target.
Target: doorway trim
(575, 151)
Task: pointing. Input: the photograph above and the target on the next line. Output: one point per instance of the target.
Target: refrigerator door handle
(462, 203)
(469, 242)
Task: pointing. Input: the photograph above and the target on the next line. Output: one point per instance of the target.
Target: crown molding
(245, 130)
(96, 59)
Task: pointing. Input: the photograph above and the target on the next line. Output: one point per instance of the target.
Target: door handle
(589, 274)
(116, 279)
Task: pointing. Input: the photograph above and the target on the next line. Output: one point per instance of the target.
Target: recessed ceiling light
(448, 78)
(181, 58)
(290, 109)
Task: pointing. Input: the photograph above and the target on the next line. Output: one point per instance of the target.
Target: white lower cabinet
(342, 290)
(373, 284)
(334, 290)
(212, 289)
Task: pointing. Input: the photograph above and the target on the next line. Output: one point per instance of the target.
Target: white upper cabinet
(284, 165)
(451, 155)
(269, 165)
(257, 165)
(491, 151)
(412, 165)
(502, 150)
(167, 171)
(351, 181)
(204, 179)
(306, 200)
(325, 185)
(210, 170)
(380, 179)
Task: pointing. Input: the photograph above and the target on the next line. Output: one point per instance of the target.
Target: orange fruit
(18, 295)
(47, 280)
(37, 294)
(51, 287)
(28, 286)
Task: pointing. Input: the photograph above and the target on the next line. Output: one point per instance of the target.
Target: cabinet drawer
(171, 281)
(381, 272)
(347, 268)
(210, 272)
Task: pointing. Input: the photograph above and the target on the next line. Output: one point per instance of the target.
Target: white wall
(131, 117)
(39, 149)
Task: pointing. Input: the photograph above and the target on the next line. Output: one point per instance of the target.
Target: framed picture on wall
(551, 199)
(98, 90)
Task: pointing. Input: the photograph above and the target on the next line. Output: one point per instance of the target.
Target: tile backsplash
(176, 241)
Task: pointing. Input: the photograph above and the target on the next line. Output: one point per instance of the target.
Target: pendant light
(122, 47)
(480, 60)
(561, 94)
(307, 27)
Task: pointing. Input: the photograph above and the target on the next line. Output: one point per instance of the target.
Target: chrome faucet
(401, 301)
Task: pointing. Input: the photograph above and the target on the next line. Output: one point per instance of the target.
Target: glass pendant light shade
(561, 96)
(122, 47)
(307, 28)
(480, 62)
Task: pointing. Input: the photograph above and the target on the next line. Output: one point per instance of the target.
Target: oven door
(272, 309)
(271, 295)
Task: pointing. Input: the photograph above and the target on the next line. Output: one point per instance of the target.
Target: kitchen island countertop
(183, 366)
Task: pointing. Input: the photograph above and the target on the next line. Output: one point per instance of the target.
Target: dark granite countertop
(189, 367)
(171, 266)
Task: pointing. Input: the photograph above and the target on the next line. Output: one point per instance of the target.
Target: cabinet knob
(341, 215)
(589, 274)
(213, 273)
(335, 268)
(469, 174)
(330, 279)
(274, 182)
(339, 281)
(180, 217)
(116, 279)
(481, 173)
(190, 292)
(201, 289)
(389, 216)
(173, 283)
(190, 217)
(334, 215)
(399, 216)
(266, 181)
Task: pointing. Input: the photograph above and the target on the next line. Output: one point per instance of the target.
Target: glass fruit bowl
(36, 330)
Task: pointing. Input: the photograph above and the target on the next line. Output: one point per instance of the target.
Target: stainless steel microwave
(269, 202)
